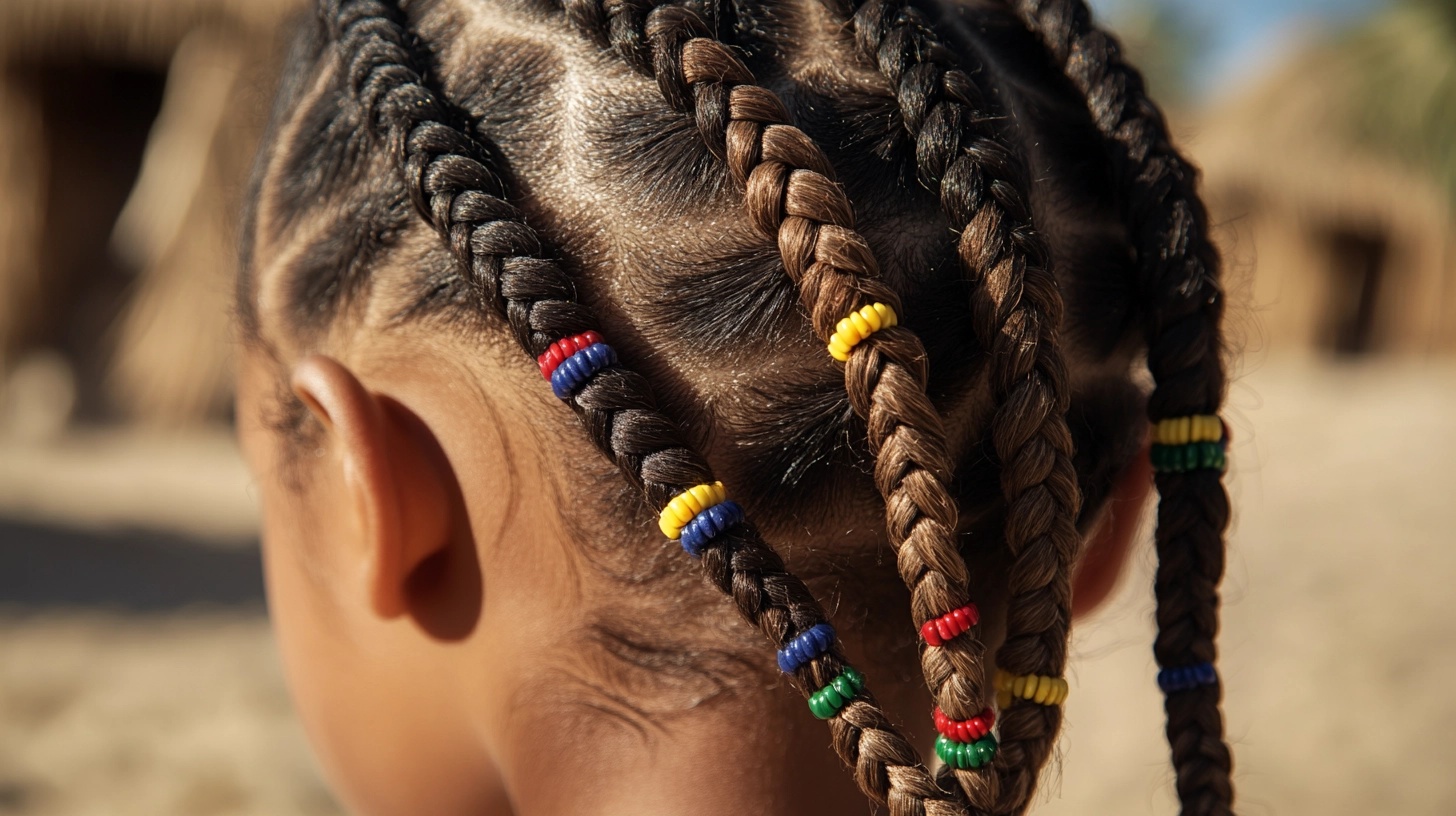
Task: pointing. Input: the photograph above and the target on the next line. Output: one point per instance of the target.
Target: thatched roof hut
(1341, 248)
(126, 128)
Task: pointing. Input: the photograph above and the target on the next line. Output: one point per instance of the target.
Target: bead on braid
(860, 324)
(561, 349)
(966, 755)
(686, 505)
(965, 730)
(708, 525)
(809, 645)
(830, 700)
(1183, 444)
(1047, 691)
(951, 625)
(576, 370)
(1187, 678)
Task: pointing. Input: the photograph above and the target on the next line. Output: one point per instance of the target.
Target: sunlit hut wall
(126, 130)
(1349, 246)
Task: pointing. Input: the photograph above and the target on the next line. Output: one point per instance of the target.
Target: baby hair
(990, 390)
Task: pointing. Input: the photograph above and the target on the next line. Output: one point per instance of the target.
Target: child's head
(476, 607)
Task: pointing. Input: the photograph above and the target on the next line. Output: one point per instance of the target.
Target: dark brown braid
(1018, 311)
(1180, 269)
(449, 178)
(791, 196)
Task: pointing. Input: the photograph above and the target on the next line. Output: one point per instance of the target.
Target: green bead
(820, 708)
(1158, 457)
(945, 749)
(827, 702)
(1190, 457)
(984, 750)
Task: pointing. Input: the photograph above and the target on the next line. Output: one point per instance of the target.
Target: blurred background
(137, 673)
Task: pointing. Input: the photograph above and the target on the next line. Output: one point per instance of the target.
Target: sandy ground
(1338, 647)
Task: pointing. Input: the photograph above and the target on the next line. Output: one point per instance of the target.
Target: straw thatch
(1312, 212)
(166, 357)
(137, 30)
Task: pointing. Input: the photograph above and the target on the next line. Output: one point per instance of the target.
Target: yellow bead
(860, 324)
(871, 318)
(1036, 688)
(684, 506)
(1043, 690)
(701, 498)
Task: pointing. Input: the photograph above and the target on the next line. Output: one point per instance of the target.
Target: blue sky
(1244, 33)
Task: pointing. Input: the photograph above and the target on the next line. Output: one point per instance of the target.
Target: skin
(425, 586)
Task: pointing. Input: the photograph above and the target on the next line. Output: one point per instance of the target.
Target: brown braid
(1179, 269)
(450, 179)
(790, 195)
(1018, 308)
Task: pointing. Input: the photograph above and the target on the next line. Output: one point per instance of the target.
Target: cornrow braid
(790, 195)
(1018, 309)
(1179, 271)
(450, 181)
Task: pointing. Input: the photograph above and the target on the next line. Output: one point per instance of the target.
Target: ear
(1112, 536)
(399, 495)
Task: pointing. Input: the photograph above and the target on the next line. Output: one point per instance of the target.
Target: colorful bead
(1186, 678)
(810, 644)
(966, 755)
(688, 504)
(828, 701)
(1192, 456)
(1038, 689)
(859, 325)
(708, 525)
(1183, 444)
(964, 730)
(1189, 429)
(573, 372)
(937, 631)
(557, 352)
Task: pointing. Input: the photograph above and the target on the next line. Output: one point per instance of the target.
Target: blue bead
(574, 371)
(708, 525)
(807, 646)
(1184, 678)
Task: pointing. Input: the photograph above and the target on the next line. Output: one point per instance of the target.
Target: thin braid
(790, 196)
(1018, 311)
(1180, 270)
(448, 175)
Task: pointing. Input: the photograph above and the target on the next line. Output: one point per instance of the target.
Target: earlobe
(1111, 540)
(398, 498)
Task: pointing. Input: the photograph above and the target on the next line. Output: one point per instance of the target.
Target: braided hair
(963, 387)
(1179, 270)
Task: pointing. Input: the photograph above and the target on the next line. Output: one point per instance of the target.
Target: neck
(753, 749)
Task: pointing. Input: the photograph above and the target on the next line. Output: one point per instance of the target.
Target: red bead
(964, 730)
(927, 631)
(556, 353)
(950, 625)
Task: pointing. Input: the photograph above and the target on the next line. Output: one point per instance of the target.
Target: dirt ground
(1338, 647)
